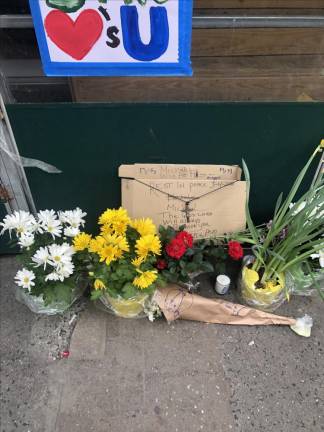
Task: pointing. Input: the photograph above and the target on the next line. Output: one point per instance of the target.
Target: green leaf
(182, 264)
(278, 203)
(95, 294)
(197, 259)
(251, 226)
(129, 291)
(220, 268)
(184, 273)
(207, 266)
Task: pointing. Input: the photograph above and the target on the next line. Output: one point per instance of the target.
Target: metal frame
(12, 174)
(25, 21)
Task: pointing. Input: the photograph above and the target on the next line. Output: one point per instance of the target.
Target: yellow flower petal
(138, 261)
(81, 241)
(144, 226)
(145, 279)
(99, 285)
(148, 244)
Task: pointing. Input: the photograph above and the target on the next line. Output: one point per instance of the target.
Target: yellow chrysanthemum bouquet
(121, 261)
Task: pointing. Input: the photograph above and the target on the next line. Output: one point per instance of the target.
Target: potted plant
(50, 279)
(182, 259)
(289, 239)
(121, 262)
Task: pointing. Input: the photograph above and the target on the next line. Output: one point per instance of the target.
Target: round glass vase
(37, 304)
(266, 299)
(125, 308)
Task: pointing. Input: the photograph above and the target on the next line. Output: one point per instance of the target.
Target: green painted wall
(89, 141)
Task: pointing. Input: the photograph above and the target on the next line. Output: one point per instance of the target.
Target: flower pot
(267, 298)
(125, 308)
(38, 306)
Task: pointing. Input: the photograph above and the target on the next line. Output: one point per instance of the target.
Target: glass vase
(303, 283)
(125, 308)
(37, 304)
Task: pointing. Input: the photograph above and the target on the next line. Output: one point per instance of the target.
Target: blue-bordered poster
(114, 37)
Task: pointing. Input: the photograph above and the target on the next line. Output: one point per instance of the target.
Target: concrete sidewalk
(132, 375)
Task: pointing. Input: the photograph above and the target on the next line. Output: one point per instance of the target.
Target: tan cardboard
(181, 172)
(214, 206)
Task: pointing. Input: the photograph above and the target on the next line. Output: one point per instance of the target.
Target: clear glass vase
(38, 306)
(125, 308)
(303, 283)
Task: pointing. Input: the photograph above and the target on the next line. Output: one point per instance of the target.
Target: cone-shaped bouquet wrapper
(177, 303)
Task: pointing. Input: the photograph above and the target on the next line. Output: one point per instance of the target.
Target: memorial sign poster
(208, 199)
(114, 37)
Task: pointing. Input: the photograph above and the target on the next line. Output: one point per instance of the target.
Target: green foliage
(197, 258)
(295, 232)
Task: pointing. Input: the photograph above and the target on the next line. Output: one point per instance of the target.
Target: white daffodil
(73, 217)
(48, 222)
(26, 240)
(297, 209)
(20, 221)
(24, 278)
(41, 257)
(321, 258)
(71, 231)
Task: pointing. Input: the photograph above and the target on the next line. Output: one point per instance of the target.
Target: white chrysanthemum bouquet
(50, 266)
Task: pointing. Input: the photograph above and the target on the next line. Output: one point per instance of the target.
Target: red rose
(161, 264)
(176, 248)
(186, 238)
(235, 250)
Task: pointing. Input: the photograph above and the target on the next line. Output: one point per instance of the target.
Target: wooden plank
(204, 90)
(260, 12)
(259, 66)
(264, 41)
(232, 79)
(247, 4)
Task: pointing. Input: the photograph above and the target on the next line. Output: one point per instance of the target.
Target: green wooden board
(88, 142)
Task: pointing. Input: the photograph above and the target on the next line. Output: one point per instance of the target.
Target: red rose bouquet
(235, 250)
(181, 257)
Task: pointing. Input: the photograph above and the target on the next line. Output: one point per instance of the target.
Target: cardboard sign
(113, 37)
(214, 194)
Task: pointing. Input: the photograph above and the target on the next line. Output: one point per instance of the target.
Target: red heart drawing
(75, 38)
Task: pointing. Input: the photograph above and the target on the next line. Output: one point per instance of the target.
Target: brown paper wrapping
(177, 303)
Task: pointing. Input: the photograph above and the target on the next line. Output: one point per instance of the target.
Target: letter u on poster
(114, 37)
